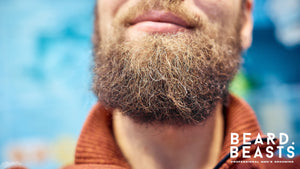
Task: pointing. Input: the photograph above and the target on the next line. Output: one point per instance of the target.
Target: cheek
(110, 6)
(222, 12)
(107, 9)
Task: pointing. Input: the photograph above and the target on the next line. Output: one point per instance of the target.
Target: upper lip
(161, 16)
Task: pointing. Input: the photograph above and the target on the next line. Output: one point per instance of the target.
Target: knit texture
(97, 149)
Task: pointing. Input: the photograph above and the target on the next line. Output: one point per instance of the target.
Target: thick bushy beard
(173, 79)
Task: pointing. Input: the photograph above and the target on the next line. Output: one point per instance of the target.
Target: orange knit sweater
(97, 149)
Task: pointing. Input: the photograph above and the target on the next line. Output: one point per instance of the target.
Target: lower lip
(157, 27)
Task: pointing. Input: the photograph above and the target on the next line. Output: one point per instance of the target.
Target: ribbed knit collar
(96, 144)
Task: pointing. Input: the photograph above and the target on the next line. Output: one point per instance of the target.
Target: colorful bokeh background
(45, 76)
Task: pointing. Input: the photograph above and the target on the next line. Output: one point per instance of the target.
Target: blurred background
(45, 70)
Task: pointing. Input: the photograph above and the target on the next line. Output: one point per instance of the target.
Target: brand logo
(269, 146)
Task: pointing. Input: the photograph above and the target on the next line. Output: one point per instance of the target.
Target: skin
(161, 146)
(217, 11)
(164, 147)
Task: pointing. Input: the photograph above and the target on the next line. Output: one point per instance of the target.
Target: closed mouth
(160, 21)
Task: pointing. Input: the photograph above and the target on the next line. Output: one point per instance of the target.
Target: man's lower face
(166, 78)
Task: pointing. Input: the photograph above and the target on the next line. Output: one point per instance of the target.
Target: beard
(163, 78)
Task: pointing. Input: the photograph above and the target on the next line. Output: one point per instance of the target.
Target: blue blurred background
(45, 70)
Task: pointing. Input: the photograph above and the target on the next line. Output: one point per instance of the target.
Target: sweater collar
(96, 144)
(239, 118)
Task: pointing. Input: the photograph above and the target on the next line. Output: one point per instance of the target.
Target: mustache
(126, 15)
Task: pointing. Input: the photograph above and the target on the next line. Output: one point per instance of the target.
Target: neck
(164, 147)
